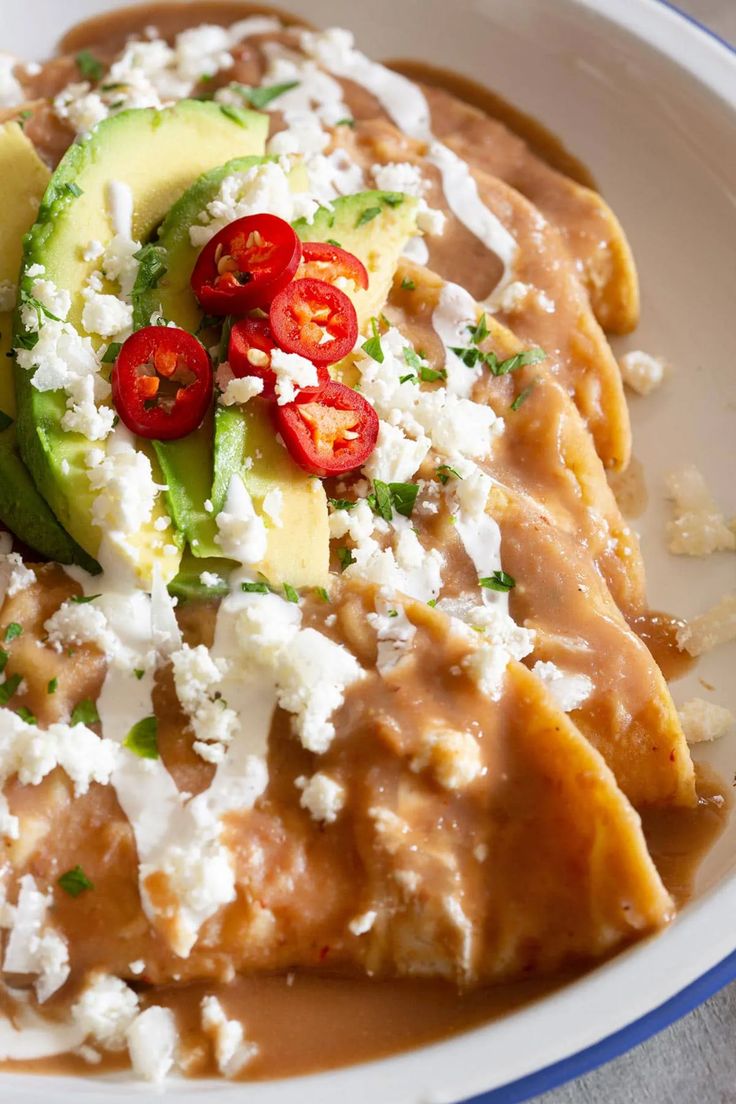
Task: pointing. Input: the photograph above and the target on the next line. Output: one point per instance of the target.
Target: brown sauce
(659, 633)
(304, 1022)
(540, 139)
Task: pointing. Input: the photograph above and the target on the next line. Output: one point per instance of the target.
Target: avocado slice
(189, 465)
(22, 509)
(157, 154)
(373, 226)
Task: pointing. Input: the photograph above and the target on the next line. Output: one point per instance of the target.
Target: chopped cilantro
(347, 121)
(139, 673)
(479, 332)
(444, 471)
(26, 715)
(13, 630)
(367, 215)
(290, 593)
(322, 592)
(5, 421)
(236, 114)
(522, 396)
(260, 97)
(75, 881)
(346, 557)
(89, 66)
(331, 241)
(412, 359)
(392, 199)
(52, 686)
(85, 713)
(372, 347)
(393, 613)
(4, 657)
(151, 267)
(255, 588)
(432, 602)
(111, 352)
(519, 360)
(410, 377)
(341, 503)
(8, 688)
(142, 739)
(388, 497)
(83, 599)
(499, 580)
(431, 375)
(408, 285)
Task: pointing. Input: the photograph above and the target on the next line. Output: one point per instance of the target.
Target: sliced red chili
(334, 433)
(246, 264)
(324, 261)
(315, 320)
(162, 383)
(249, 354)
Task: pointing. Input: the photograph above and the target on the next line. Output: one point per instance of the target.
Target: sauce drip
(659, 632)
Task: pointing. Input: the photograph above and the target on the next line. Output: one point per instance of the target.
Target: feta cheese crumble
(703, 720)
(152, 1040)
(232, 1051)
(569, 689)
(716, 626)
(698, 527)
(105, 1010)
(241, 533)
(641, 372)
(321, 796)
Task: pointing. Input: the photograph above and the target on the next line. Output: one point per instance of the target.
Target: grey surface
(694, 1061)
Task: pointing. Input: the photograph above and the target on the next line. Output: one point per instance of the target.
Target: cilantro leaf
(74, 881)
(388, 497)
(52, 685)
(85, 712)
(89, 66)
(341, 503)
(372, 347)
(13, 630)
(142, 739)
(444, 471)
(322, 592)
(26, 715)
(367, 215)
(151, 267)
(8, 688)
(83, 599)
(519, 360)
(255, 588)
(346, 557)
(522, 396)
(408, 285)
(4, 657)
(499, 580)
(290, 593)
(265, 94)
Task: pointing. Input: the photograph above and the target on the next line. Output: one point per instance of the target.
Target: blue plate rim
(687, 1000)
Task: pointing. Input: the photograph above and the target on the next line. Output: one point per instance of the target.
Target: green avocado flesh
(375, 227)
(158, 154)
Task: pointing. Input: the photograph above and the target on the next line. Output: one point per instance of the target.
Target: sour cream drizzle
(406, 105)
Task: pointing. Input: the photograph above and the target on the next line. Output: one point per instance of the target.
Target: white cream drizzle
(406, 105)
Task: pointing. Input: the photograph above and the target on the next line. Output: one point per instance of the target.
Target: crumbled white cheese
(200, 874)
(125, 489)
(396, 457)
(641, 372)
(241, 534)
(293, 372)
(703, 720)
(32, 946)
(408, 568)
(716, 626)
(699, 527)
(394, 632)
(11, 91)
(358, 522)
(77, 623)
(32, 752)
(210, 579)
(453, 757)
(262, 188)
(232, 1051)
(105, 315)
(14, 575)
(197, 677)
(313, 674)
(152, 1041)
(8, 295)
(105, 1010)
(362, 924)
(569, 689)
(321, 796)
(240, 391)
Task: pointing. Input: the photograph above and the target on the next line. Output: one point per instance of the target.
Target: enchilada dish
(328, 720)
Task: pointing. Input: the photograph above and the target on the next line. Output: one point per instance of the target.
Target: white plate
(647, 99)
